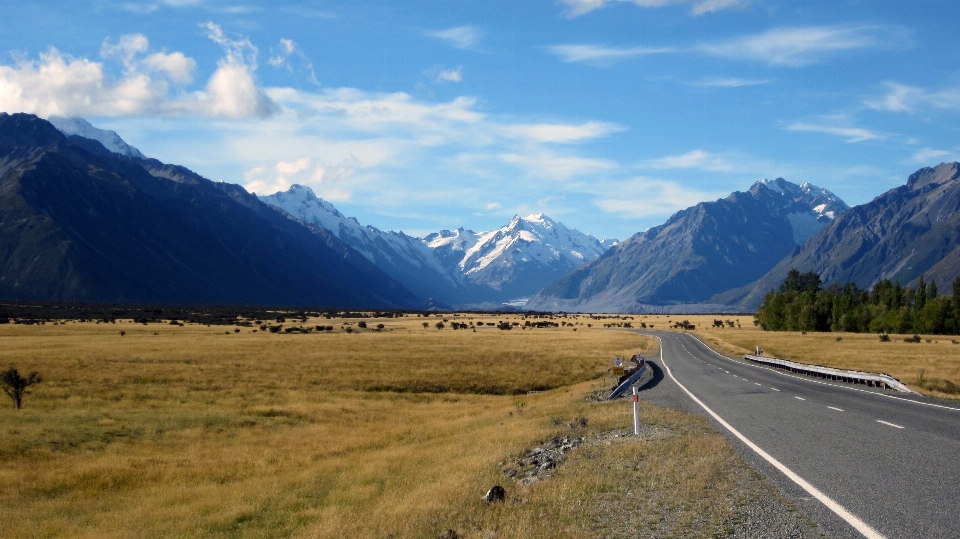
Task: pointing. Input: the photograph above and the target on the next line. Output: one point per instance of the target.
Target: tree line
(803, 304)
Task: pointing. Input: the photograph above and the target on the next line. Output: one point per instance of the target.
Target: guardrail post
(636, 413)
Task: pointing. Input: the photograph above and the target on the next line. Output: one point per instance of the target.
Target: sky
(421, 115)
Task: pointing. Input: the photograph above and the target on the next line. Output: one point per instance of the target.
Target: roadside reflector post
(636, 413)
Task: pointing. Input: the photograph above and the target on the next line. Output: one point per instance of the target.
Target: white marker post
(636, 413)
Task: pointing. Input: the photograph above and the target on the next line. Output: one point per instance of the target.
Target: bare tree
(15, 385)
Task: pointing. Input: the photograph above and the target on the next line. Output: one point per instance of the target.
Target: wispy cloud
(904, 98)
(561, 133)
(449, 75)
(852, 134)
(601, 55)
(728, 82)
(698, 159)
(288, 49)
(930, 156)
(461, 37)
(644, 197)
(555, 166)
(802, 45)
(576, 8)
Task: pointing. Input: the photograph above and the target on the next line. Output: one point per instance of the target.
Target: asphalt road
(893, 464)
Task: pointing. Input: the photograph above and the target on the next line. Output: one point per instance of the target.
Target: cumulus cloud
(576, 8)
(601, 55)
(57, 84)
(800, 46)
(461, 37)
(329, 181)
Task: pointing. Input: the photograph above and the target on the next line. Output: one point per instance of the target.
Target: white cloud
(450, 75)
(490, 206)
(601, 55)
(729, 82)
(642, 197)
(852, 134)
(800, 46)
(461, 37)
(329, 181)
(240, 51)
(904, 98)
(575, 8)
(693, 159)
(58, 84)
(175, 66)
(550, 165)
(561, 133)
(288, 49)
(930, 156)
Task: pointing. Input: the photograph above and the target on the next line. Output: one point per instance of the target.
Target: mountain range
(84, 216)
(909, 231)
(698, 253)
(456, 268)
(79, 222)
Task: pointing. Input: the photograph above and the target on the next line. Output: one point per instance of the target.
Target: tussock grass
(930, 367)
(187, 431)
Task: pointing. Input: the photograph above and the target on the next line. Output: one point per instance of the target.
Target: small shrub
(15, 385)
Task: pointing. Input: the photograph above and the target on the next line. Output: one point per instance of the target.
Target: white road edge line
(835, 408)
(890, 424)
(865, 529)
(808, 379)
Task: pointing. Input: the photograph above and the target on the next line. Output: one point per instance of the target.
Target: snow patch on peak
(82, 128)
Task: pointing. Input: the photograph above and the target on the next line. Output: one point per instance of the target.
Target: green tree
(15, 385)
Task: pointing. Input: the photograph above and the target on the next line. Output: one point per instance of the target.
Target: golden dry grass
(938, 359)
(174, 431)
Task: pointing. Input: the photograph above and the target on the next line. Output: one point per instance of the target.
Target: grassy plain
(196, 431)
(931, 366)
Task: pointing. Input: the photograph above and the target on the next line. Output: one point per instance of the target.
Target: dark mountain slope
(700, 251)
(909, 231)
(78, 222)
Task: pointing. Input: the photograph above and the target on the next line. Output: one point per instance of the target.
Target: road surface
(860, 462)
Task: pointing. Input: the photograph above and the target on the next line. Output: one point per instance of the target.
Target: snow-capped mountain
(458, 267)
(82, 128)
(516, 256)
(811, 209)
(405, 258)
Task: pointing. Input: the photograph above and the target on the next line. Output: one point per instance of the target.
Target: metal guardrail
(857, 377)
(628, 380)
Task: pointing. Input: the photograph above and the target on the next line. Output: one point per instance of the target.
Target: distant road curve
(860, 462)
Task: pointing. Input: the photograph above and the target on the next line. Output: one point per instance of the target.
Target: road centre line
(801, 398)
(865, 529)
(835, 408)
(757, 383)
(775, 389)
(808, 379)
(894, 425)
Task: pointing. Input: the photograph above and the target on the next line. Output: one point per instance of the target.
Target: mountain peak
(22, 129)
(82, 128)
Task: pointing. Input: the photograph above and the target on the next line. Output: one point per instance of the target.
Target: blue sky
(608, 115)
